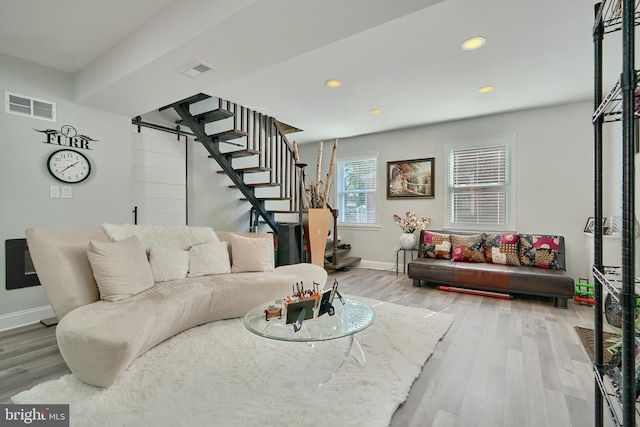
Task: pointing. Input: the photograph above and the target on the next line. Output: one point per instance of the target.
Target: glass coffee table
(350, 318)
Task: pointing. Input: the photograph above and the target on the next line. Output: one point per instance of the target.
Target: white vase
(408, 240)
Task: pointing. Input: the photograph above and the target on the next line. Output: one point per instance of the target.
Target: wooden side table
(404, 258)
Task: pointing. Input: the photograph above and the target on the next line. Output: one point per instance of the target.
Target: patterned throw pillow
(501, 249)
(436, 245)
(539, 251)
(467, 248)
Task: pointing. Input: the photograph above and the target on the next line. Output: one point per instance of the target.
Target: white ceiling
(401, 56)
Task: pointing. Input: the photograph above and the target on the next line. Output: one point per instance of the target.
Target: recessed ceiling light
(473, 43)
(486, 89)
(333, 83)
(375, 111)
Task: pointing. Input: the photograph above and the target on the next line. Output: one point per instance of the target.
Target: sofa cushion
(501, 249)
(120, 268)
(436, 245)
(251, 254)
(539, 251)
(168, 263)
(170, 236)
(209, 258)
(467, 248)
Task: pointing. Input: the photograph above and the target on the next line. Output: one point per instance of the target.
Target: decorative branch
(327, 185)
(319, 166)
(296, 159)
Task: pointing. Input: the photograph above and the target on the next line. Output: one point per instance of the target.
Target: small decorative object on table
(409, 225)
(273, 311)
(301, 300)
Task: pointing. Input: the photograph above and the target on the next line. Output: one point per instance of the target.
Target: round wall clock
(69, 166)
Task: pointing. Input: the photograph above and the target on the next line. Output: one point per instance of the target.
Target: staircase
(258, 140)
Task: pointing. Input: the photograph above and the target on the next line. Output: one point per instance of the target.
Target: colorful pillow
(467, 248)
(539, 251)
(502, 249)
(436, 245)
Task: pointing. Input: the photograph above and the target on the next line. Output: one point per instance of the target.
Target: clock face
(69, 166)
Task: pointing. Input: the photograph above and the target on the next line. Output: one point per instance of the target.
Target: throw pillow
(120, 268)
(467, 248)
(171, 236)
(436, 245)
(209, 258)
(168, 263)
(501, 249)
(251, 253)
(539, 251)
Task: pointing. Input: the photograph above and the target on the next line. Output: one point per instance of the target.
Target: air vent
(196, 69)
(28, 106)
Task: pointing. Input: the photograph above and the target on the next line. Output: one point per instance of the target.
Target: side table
(404, 258)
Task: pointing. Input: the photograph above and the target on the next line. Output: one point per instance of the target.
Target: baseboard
(25, 317)
(376, 265)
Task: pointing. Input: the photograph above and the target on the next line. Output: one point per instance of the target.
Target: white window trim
(357, 156)
(504, 139)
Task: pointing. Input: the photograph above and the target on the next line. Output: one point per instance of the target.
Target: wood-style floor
(503, 362)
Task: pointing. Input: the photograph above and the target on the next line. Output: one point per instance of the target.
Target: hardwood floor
(502, 363)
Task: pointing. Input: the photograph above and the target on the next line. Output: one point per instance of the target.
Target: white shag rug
(220, 374)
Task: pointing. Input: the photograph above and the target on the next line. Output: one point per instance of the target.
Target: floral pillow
(467, 248)
(539, 251)
(436, 245)
(501, 249)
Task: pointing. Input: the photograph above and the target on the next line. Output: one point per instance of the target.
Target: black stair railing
(264, 139)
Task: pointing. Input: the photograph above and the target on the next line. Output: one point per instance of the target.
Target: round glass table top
(350, 318)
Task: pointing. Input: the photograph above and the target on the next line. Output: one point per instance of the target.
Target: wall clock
(69, 166)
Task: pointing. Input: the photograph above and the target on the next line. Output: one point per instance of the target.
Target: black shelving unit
(617, 105)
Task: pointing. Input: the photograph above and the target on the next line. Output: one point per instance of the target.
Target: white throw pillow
(120, 268)
(168, 263)
(251, 253)
(169, 236)
(209, 258)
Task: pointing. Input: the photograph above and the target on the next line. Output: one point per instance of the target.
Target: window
(28, 106)
(356, 190)
(480, 185)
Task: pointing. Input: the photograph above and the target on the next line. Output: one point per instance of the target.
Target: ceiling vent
(195, 69)
(28, 106)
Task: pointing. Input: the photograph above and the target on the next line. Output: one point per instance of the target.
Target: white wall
(24, 198)
(554, 176)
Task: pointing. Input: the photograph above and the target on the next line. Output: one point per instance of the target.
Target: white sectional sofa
(105, 324)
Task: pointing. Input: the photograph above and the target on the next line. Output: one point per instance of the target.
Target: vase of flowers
(410, 224)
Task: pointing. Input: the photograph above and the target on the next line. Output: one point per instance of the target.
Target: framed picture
(590, 225)
(411, 178)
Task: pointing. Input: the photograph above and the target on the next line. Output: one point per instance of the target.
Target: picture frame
(591, 223)
(588, 227)
(411, 179)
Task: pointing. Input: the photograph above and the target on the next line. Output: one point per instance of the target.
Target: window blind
(479, 185)
(356, 190)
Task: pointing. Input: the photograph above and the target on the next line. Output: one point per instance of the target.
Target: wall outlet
(54, 191)
(67, 192)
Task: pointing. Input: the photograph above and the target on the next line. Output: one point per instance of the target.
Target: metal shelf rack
(617, 106)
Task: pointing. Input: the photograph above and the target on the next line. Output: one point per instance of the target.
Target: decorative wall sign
(410, 178)
(67, 136)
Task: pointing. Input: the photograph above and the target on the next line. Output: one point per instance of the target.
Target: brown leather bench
(508, 279)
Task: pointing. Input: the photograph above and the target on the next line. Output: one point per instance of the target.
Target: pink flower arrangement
(411, 223)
